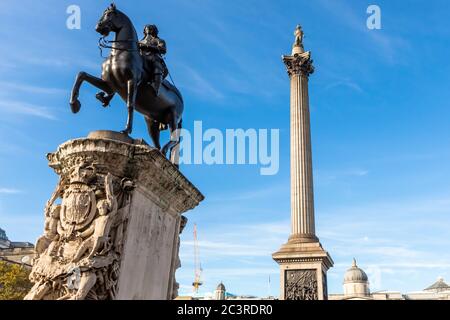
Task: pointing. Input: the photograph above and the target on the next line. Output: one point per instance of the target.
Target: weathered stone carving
(103, 184)
(301, 285)
(82, 236)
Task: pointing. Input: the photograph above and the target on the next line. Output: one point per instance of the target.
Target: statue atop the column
(298, 33)
(299, 61)
(135, 70)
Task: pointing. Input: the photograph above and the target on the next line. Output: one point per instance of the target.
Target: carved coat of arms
(78, 207)
(82, 238)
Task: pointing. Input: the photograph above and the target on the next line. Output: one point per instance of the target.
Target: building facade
(356, 287)
(15, 252)
(219, 293)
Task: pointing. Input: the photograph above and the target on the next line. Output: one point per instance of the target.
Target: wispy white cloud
(44, 59)
(326, 177)
(63, 62)
(275, 228)
(21, 226)
(242, 272)
(23, 87)
(9, 191)
(228, 249)
(387, 45)
(27, 109)
(252, 194)
(345, 83)
(407, 157)
(196, 83)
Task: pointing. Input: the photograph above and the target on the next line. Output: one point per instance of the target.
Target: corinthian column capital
(299, 64)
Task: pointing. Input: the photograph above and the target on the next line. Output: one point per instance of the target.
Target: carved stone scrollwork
(301, 285)
(78, 255)
(299, 64)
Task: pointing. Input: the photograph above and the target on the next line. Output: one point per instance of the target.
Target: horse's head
(111, 21)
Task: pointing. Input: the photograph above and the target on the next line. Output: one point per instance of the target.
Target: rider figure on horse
(152, 49)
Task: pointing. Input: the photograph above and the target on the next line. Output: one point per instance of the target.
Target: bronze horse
(123, 72)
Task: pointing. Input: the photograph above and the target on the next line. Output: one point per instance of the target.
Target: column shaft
(302, 197)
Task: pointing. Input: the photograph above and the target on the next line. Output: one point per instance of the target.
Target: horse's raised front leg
(75, 104)
(131, 101)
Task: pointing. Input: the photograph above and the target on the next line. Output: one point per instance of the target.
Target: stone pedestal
(303, 262)
(303, 267)
(115, 232)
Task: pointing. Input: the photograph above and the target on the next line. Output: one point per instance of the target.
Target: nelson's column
(303, 261)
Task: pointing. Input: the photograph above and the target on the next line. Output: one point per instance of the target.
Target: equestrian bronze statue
(136, 70)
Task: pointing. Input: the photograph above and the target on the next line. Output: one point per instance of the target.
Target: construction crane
(198, 267)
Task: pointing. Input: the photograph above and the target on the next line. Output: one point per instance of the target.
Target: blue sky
(379, 116)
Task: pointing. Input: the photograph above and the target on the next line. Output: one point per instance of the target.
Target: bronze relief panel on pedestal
(301, 285)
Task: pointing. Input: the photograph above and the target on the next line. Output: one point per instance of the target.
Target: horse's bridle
(103, 44)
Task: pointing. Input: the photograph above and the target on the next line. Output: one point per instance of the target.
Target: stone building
(356, 287)
(356, 282)
(219, 293)
(15, 252)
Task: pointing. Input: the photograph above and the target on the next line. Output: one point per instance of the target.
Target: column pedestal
(303, 267)
(115, 232)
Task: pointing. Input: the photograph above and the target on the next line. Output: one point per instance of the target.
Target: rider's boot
(156, 85)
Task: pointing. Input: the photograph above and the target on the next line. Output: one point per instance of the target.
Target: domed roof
(221, 287)
(355, 274)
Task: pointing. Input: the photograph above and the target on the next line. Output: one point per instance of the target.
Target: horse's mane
(128, 20)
